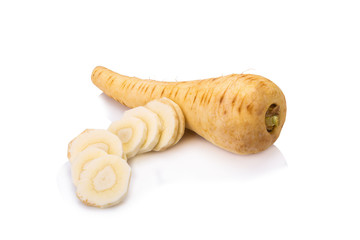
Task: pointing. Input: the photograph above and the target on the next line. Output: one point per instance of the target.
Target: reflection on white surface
(195, 160)
(64, 182)
(192, 160)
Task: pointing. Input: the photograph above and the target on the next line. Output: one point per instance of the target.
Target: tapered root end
(100, 78)
(96, 72)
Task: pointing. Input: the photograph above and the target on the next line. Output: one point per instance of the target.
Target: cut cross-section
(104, 181)
(153, 126)
(132, 132)
(170, 123)
(99, 138)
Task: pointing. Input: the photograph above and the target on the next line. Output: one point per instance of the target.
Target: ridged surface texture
(228, 111)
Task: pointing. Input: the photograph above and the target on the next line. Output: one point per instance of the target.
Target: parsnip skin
(228, 111)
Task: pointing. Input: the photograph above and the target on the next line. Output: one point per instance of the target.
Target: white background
(304, 187)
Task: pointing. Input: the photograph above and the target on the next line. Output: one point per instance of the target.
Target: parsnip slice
(181, 118)
(170, 123)
(82, 159)
(153, 125)
(132, 132)
(104, 181)
(99, 138)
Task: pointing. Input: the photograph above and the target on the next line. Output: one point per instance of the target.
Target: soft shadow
(113, 109)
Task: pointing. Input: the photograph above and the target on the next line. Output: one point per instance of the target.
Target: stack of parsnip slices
(98, 157)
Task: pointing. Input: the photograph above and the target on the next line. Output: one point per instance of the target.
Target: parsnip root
(229, 111)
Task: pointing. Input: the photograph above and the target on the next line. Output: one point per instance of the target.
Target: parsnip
(153, 125)
(104, 181)
(98, 138)
(181, 118)
(82, 159)
(242, 113)
(169, 122)
(132, 132)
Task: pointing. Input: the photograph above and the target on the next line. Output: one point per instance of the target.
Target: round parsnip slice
(153, 125)
(104, 181)
(180, 115)
(132, 132)
(99, 138)
(81, 159)
(170, 123)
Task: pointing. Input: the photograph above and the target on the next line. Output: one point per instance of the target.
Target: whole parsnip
(241, 113)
